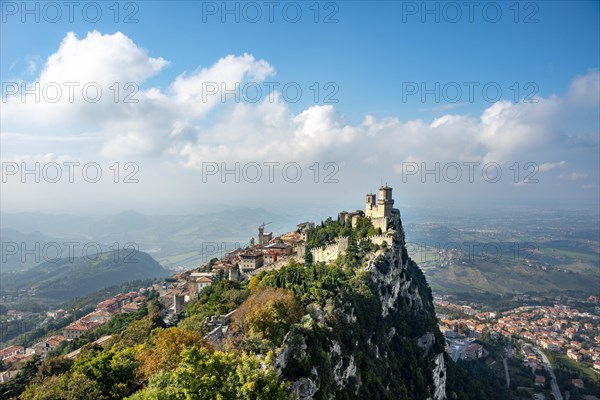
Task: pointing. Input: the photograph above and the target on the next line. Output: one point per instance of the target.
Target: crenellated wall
(330, 252)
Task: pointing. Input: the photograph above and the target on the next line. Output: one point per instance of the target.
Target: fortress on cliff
(378, 210)
(381, 212)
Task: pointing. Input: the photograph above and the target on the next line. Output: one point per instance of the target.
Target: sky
(194, 106)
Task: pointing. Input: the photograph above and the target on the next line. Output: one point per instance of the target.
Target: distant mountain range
(173, 240)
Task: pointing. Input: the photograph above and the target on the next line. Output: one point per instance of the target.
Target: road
(509, 354)
(555, 389)
(506, 372)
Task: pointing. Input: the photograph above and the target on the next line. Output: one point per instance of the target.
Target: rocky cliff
(377, 338)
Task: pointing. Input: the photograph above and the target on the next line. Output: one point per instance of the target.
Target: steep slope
(378, 338)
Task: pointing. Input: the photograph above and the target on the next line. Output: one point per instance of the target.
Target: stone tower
(386, 203)
(264, 237)
(380, 210)
(371, 201)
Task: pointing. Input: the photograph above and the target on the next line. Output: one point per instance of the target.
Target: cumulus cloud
(104, 59)
(83, 83)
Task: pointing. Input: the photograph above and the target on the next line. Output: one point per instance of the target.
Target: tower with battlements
(380, 211)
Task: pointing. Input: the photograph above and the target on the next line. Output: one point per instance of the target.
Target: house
(303, 228)
(578, 383)
(554, 347)
(18, 359)
(473, 351)
(56, 314)
(198, 281)
(221, 265)
(275, 251)
(98, 316)
(78, 328)
(11, 351)
(250, 260)
(109, 305)
(202, 282)
(130, 308)
(46, 346)
(574, 355)
(540, 380)
(7, 375)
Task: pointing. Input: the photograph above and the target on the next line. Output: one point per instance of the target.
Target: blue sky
(370, 57)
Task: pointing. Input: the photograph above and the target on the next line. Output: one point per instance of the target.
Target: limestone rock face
(358, 352)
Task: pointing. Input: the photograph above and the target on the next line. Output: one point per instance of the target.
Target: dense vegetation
(330, 229)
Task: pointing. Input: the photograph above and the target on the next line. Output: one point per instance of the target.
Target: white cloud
(104, 59)
(83, 82)
(573, 176)
(545, 167)
(585, 89)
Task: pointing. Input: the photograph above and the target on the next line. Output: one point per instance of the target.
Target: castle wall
(275, 266)
(380, 222)
(330, 252)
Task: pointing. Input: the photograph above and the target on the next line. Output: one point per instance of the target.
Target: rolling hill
(66, 279)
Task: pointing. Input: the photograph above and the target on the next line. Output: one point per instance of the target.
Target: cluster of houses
(262, 253)
(123, 302)
(265, 251)
(559, 328)
(16, 356)
(534, 361)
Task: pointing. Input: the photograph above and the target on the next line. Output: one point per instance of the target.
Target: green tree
(352, 253)
(137, 332)
(64, 387)
(51, 367)
(269, 313)
(165, 353)
(113, 372)
(308, 257)
(203, 374)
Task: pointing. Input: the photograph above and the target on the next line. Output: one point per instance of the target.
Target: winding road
(554, 385)
(509, 354)
(506, 372)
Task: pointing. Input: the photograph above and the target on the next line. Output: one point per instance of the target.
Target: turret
(385, 194)
(385, 201)
(371, 201)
